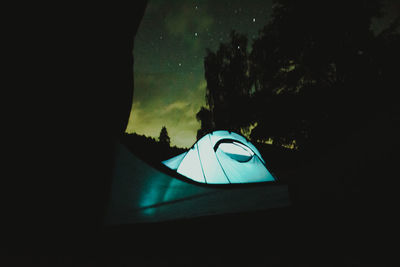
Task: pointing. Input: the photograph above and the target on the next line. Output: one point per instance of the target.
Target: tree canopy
(228, 86)
(314, 72)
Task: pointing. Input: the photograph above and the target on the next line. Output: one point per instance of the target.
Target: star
(179, 64)
(195, 34)
(254, 19)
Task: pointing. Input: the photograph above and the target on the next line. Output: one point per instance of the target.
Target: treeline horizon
(154, 150)
(146, 146)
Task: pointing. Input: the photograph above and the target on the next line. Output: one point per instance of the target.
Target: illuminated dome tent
(221, 157)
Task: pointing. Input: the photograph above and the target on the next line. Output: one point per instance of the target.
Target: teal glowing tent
(221, 157)
(142, 193)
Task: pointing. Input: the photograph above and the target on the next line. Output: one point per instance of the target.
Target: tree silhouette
(314, 74)
(164, 137)
(228, 86)
(204, 116)
(310, 67)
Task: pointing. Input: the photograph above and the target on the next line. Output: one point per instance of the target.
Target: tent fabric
(221, 157)
(141, 193)
(174, 162)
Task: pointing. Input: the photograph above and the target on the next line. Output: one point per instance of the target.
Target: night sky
(169, 51)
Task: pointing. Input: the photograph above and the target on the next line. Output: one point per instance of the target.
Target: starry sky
(169, 51)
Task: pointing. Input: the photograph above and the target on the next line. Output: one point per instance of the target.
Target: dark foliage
(315, 74)
(228, 87)
(313, 65)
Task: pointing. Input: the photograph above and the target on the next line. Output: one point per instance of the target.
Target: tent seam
(201, 164)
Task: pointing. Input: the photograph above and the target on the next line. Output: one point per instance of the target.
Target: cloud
(176, 106)
(170, 100)
(178, 118)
